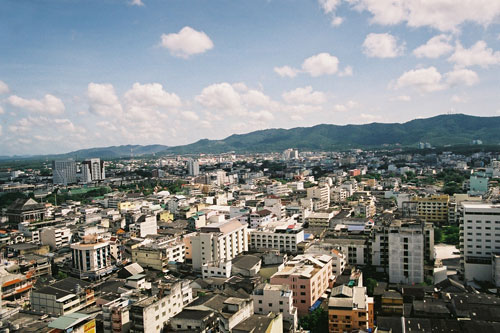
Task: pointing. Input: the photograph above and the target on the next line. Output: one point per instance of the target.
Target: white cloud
(382, 46)
(443, 15)
(286, 71)
(220, 96)
(262, 116)
(435, 47)
(297, 117)
(462, 76)
(103, 100)
(478, 55)
(321, 64)
(49, 104)
(1, 110)
(304, 95)
(345, 107)
(138, 3)
(346, 72)
(186, 42)
(256, 98)
(329, 7)
(424, 79)
(401, 98)
(190, 115)
(151, 96)
(4, 88)
(458, 99)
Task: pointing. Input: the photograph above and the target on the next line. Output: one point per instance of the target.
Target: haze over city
(79, 74)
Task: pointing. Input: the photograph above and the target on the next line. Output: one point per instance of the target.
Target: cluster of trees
(447, 234)
(316, 321)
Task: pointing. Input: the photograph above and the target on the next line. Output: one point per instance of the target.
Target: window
(260, 301)
(302, 301)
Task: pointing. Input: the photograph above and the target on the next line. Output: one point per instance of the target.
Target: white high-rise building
(406, 253)
(93, 170)
(218, 241)
(193, 167)
(64, 172)
(480, 241)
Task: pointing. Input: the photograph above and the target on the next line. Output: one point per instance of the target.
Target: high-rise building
(64, 172)
(92, 257)
(406, 253)
(480, 241)
(93, 170)
(193, 167)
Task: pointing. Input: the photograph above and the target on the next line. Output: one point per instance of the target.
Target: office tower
(193, 167)
(93, 170)
(64, 172)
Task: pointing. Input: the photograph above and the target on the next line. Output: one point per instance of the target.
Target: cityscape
(264, 166)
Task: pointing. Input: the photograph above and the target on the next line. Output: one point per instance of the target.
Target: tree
(370, 285)
(316, 321)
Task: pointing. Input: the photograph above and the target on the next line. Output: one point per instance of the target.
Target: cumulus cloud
(49, 104)
(382, 46)
(138, 3)
(220, 96)
(151, 96)
(443, 15)
(429, 79)
(478, 55)
(103, 100)
(424, 79)
(435, 47)
(345, 107)
(186, 42)
(190, 115)
(346, 72)
(329, 7)
(321, 64)
(286, 71)
(4, 88)
(305, 95)
(462, 76)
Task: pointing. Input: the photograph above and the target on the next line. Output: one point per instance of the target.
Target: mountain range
(442, 130)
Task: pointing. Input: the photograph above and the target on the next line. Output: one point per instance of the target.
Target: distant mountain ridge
(455, 129)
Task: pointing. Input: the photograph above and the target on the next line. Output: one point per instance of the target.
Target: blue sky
(82, 73)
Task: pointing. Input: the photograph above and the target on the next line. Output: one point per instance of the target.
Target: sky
(92, 73)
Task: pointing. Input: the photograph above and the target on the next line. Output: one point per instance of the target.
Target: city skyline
(80, 74)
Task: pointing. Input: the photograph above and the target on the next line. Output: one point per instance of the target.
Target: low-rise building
(350, 310)
(157, 255)
(278, 299)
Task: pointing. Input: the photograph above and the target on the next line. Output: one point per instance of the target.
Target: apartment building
(257, 219)
(56, 237)
(63, 297)
(278, 189)
(153, 313)
(284, 236)
(216, 242)
(144, 225)
(321, 193)
(115, 316)
(278, 299)
(92, 257)
(480, 241)
(308, 276)
(433, 209)
(406, 253)
(321, 218)
(350, 310)
(157, 255)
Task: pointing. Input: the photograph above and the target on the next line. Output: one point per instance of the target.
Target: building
(308, 276)
(278, 299)
(406, 253)
(478, 185)
(350, 310)
(91, 257)
(93, 170)
(280, 236)
(115, 316)
(218, 241)
(144, 225)
(193, 167)
(479, 241)
(433, 209)
(157, 255)
(63, 297)
(64, 172)
(278, 189)
(320, 193)
(56, 237)
(153, 313)
(25, 210)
